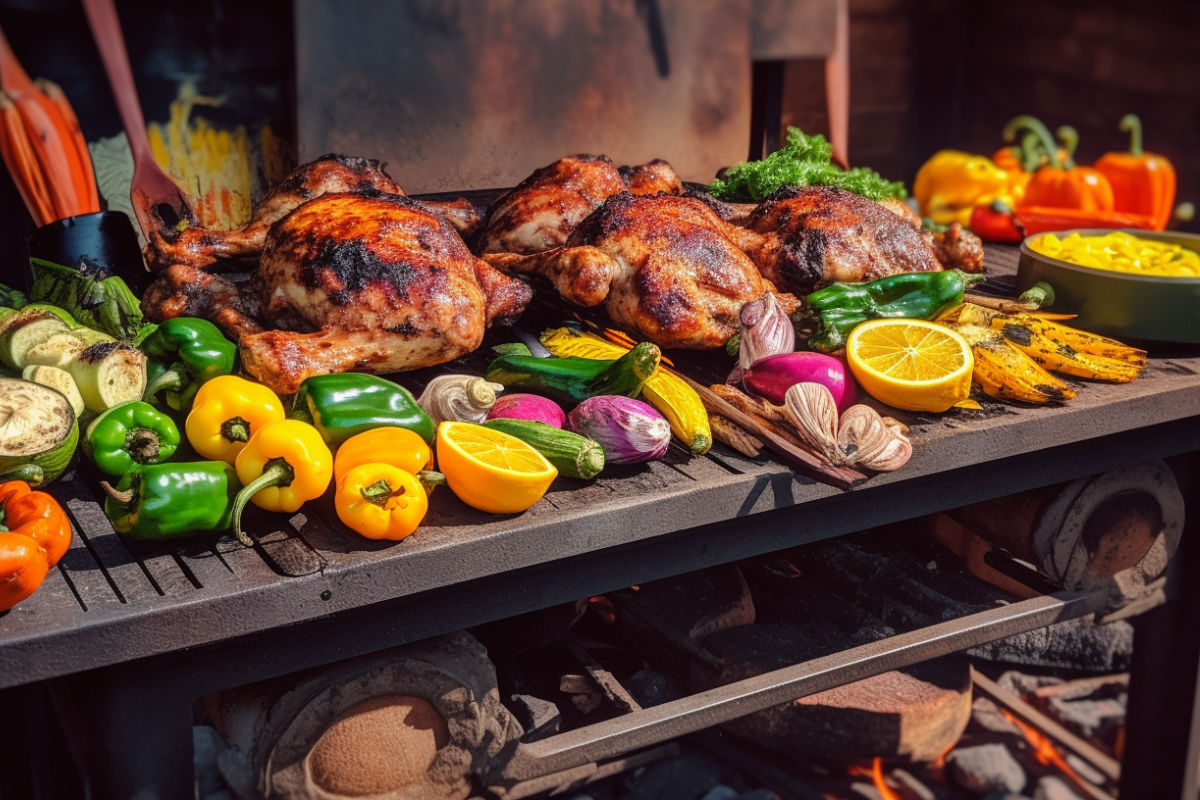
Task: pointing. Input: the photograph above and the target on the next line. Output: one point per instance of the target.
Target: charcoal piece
(1053, 787)
(1078, 644)
(782, 594)
(689, 777)
(986, 715)
(652, 688)
(986, 768)
(540, 718)
(916, 713)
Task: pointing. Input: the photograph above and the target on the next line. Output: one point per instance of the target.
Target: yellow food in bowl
(1122, 252)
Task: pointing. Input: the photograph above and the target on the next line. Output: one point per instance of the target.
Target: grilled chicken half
(197, 247)
(804, 238)
(662, 266)
(543, 209)
(362, 281)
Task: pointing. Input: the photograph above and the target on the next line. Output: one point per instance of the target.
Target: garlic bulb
(811, 409)
(860, 438)
(766, 330)
(458, 398)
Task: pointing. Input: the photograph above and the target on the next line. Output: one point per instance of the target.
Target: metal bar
(688, 715)
(1101, 761)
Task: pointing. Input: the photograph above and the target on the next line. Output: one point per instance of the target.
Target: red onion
(771, 377)
(528, 406)
(629, 430)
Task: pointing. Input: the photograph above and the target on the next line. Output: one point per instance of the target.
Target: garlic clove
(765, 330)
(867, 440)
(458, 398)
(811, 409)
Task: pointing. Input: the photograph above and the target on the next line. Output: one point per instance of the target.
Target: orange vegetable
(1059, 183)
(399, 447)
(36, 533)
(1142, 183)
(1039, 219)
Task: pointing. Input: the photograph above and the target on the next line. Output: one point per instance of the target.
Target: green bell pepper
(839, 307)
(340, 406)
(129, 436)
(163, 501)
(185, 353)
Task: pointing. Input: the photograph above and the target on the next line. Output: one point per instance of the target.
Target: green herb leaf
(804, 161)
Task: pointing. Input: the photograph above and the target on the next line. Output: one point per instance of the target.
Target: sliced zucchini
(58, 379)
(57, 351)
(24, 330)
(38, 431)
(90, 337)
(108, 374)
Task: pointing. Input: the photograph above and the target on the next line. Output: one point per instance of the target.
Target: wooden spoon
(157, 201)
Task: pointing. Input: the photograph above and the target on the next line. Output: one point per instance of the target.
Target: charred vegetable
(108, 374)
(38, 432)
(96, 300)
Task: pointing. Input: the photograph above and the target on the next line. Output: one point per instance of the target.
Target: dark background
(926, 74)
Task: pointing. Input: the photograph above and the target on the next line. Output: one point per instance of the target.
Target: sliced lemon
(910, 363)
(490, 470)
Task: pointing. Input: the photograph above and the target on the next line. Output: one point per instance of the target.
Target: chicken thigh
(662, 266)
(804, 238)
(365, 281)
(330, 173)
(543, 209)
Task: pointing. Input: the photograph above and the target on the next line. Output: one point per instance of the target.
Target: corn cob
(1045, 326)
(1064, 358)
(1006, 373)
(664, 390)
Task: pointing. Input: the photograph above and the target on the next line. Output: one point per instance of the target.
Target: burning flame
(875, 773)
(1047, 754)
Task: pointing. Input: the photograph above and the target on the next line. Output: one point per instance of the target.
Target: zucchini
(90, 337)
(108, 374)
(572, 455)
(38, 432)
(24, 330)
(664, 390)
(57, 351)
(58, 379)
(574, 380)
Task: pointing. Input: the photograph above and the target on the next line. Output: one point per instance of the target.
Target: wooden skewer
(841, 477)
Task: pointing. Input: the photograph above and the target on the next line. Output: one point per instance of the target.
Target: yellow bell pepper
(952, 183)
(284, 465)
(227, 412)
(380, 501)
(398, 447)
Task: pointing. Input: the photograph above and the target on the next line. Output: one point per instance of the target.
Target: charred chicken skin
(363, 281)
(197, 247)
(543, 209)
(662, 266)
(804, 238)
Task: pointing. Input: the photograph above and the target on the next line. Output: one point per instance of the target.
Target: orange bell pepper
(398, 447)
(34, 535)
(380, 501)
(1060, 183)
(1034, 219)
(1142, 183)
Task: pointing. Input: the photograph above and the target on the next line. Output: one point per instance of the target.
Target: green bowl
(1117, 304)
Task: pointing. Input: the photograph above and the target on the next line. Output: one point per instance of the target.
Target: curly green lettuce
(803, 161)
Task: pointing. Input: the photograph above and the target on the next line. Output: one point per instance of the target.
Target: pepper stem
(1131, 124)
(380, 492)
(168, 381)
(431, 479)
(276, 472)
(124, 498)
(142, 444)
(1070, 140)
(236, 429)
(30, 473)
(1037, 127)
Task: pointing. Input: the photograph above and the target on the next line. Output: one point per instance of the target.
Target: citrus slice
(490, 470)
(910, 363)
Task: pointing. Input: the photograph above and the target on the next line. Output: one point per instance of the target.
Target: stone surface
(986, 714)
(986, 768)
(540, 718)
(1053, 787)
(1077, 644)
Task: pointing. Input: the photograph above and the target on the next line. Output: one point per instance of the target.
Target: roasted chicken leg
(365, 281)
(662, 266)
(198, 247)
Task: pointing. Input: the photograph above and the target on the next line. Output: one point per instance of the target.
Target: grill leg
(132, 729)
(1162, 731)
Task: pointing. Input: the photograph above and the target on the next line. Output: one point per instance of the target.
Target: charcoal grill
(122, 627)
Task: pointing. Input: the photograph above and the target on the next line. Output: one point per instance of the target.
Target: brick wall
(928, 74)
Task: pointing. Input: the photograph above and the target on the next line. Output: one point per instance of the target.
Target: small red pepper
(1142, 183)
(1034, 219)
(34, 535)
(994, 223)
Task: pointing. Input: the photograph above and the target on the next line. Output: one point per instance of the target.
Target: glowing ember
(1047, 754)
(875, 773)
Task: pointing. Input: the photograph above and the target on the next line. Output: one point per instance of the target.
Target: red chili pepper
(994, 224)
(1036, 219)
